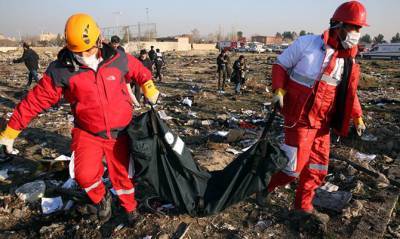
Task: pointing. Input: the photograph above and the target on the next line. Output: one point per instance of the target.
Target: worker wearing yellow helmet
(93, 78)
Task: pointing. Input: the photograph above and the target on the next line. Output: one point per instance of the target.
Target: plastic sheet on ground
(31, 191)
(335, 201)
(50, 205)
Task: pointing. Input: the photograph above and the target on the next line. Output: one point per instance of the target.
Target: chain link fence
(132, 33)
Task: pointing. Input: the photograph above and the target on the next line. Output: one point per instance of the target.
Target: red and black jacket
(99, 99)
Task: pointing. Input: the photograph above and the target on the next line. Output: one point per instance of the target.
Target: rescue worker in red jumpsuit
(93, 78)
(315, 84)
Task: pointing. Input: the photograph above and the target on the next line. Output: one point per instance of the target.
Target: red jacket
(298, 72)
(99, 100)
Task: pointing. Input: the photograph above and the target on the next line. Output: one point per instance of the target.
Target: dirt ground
(372, 212)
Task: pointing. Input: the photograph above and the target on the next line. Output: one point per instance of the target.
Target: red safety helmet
(352, 12)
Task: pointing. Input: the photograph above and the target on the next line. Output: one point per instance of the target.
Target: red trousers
(308, 152)
(89, 151)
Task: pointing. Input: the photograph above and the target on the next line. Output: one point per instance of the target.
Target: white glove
(360, 129)
(360, 126)
(278, 97)
(9, 143)
(7, 138)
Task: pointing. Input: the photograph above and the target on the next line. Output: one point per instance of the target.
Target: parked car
(242, 49)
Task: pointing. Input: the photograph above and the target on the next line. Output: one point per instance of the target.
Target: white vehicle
(383, 51)
(256, 47)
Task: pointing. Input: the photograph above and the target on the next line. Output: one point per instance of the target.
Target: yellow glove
(150, 92)
(278, 97)
(7, 138)
(360, 126)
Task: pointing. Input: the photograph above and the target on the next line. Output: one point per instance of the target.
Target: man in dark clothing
(159, 62)
(152, 54)
(116, 43)
(239, 70)
(228, 65)
(145, 59)
(31, 60)
(149, 65)
(221, 69)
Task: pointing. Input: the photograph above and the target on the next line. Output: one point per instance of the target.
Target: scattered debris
(32, 191)
(187, 101)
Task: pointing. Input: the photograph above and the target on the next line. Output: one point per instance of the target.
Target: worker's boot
(133, 217)
(104, 208)
(310, 221)
(263, 198)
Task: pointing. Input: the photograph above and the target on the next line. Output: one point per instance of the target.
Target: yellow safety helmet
(81, 32)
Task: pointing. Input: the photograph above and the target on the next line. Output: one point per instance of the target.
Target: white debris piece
(263, 224)
(62, 158)
(32, 191)
(50, 205)
(233, 151)
(187, 102)
(193, 114)
(3, 174)
(222, 133)
(330, 187)
(164, 115)
(365, 157)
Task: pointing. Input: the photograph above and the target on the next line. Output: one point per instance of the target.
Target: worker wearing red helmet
(315, 84)
(93, 78)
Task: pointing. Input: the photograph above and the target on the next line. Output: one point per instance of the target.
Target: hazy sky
(177, 17)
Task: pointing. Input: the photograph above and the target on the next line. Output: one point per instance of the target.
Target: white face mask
(351, 40)
(89, 61)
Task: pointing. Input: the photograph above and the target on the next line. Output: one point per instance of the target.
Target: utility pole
(147, 23)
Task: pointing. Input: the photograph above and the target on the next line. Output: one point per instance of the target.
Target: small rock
(388, 159)
(354, 210)
(55, 230)
(359, 188)
(17, 213)
(163, 236)
(350, 170)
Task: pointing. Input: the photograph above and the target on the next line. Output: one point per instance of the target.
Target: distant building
(47, 36)
(268, 40)
(179, 39)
